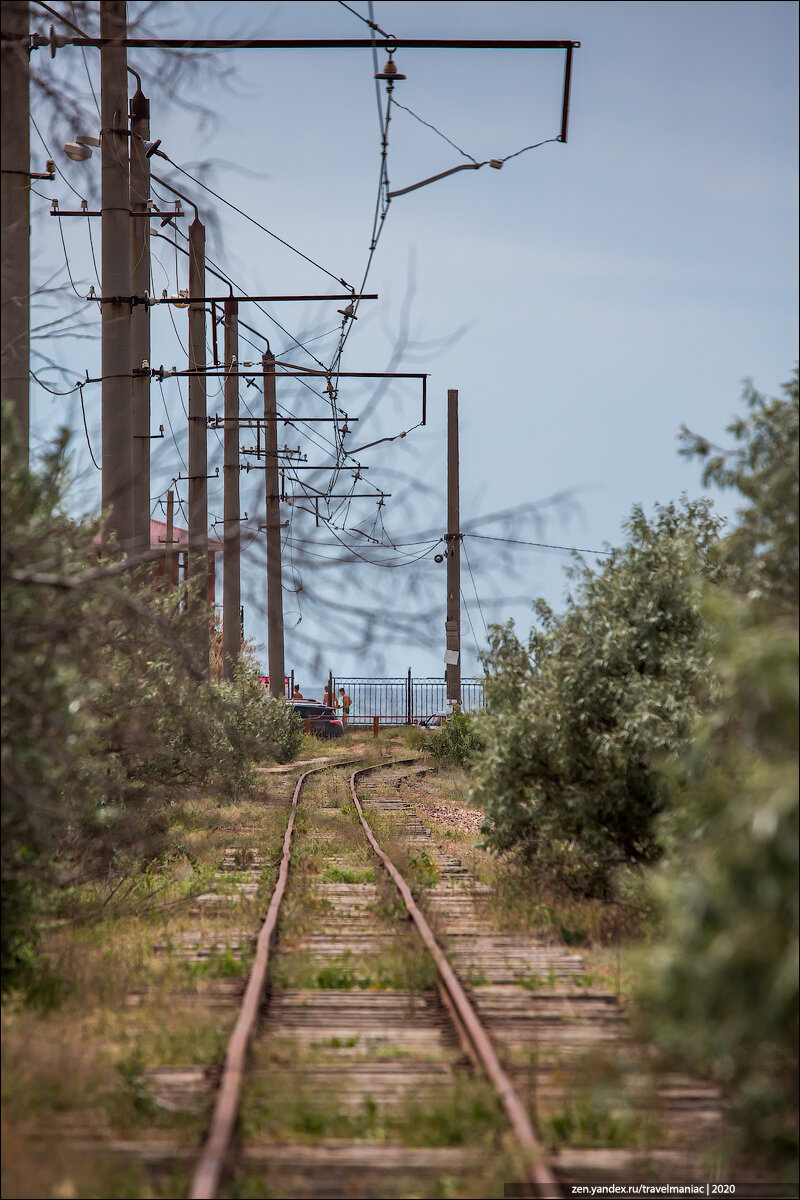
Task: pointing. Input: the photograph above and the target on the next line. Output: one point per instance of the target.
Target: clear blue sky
(589, 298)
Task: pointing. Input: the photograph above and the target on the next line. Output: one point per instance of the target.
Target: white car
(434, 721)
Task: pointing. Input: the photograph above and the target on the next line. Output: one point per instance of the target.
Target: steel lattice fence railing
(403, 699)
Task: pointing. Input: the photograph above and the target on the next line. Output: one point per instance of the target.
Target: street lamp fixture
(81, 148)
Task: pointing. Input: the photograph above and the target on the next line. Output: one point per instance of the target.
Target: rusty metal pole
(16, 196)
(140, 319)
(117, 435)
(197, 556)
(453, 539)
(231, 582)
(274, 576)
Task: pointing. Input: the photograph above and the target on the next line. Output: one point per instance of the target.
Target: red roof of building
(158, 537)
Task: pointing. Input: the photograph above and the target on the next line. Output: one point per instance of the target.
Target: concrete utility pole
(169, 540)
(231, 586)
(15, 253)
(453, 620)
(140, 319)
(197, 560)
(117, 459)
(277, 673)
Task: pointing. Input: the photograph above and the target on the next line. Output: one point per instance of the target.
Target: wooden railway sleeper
(540, 1174)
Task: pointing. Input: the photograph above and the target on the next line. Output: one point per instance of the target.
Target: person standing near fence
(344, 704)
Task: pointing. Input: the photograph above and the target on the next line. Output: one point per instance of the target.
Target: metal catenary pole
(140, 319)
(453, 619)
(15, 252)
(231, 582)
(117, 454)
(197, 560)
(274, 575)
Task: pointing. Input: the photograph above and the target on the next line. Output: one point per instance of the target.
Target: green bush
(763, 468)
(456, 743)
(578, 722)
(720, 984)
(48, 735)
(103, 712)
(283, 730)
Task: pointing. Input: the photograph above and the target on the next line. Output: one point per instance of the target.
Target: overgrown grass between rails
(334, 874)
(342, 857)
(416, 864)
(460, 1112)
(229, 963)
(403, 966)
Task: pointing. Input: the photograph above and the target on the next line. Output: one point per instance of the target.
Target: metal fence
(404, 699)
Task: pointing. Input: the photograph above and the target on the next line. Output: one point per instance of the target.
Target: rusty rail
(541, 1177)
(206, 1179)
(208, 1173)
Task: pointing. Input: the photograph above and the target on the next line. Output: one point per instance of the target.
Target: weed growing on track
(462, 1112)
(404, 966)
(335, 874)
(587, 1120)
(130, 997)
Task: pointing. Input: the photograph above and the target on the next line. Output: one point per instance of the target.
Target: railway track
(371, 1061)
(390, 1041)
(420, 1036)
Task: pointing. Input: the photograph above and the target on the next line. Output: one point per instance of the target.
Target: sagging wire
(50, 155)
(91, 247)
(335, 447)
(233, 283)
(86, 427)
(298, 588)
(477, 597)
(253, 221)
(64, 20)
(382, 202)
(495, 162)
(354, 554)
(391, 565)
(52, 391)
(66, 260)
(535, 146)
(85, 64)
(431, 543)
(172, 431)
(370, 22)
(488, 537)
(469, 619)
(78, 387)
(435, 130)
